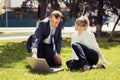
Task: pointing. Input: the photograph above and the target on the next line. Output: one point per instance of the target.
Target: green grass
(14, 66)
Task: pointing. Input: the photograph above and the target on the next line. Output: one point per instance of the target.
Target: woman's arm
(97, 48)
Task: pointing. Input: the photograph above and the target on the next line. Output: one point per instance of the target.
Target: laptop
(40, 64)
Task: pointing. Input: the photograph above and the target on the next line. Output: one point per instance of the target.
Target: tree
(54, 5)
(104, 7)
(77, 7)
(81, 7)
(25, 9)
(42, 8)
(115, 8)
(96, 8)
(41, 13)
(99, 18)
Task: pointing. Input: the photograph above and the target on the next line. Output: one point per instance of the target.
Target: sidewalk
(17, 33)
(25, 32)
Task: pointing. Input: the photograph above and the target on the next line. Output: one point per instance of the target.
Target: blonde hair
(82, 21)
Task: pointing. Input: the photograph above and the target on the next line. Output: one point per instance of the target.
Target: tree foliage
(25, 9)
(95, 9)
(115, 9)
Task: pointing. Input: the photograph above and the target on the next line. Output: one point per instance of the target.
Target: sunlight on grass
(14, 66)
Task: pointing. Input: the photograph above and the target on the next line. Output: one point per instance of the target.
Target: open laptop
(40, 64)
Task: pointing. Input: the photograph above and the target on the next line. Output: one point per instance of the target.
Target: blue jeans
(86, 55)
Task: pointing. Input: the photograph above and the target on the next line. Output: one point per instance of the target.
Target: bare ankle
(85, 68)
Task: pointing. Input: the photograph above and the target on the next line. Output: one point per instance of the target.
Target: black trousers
(86, 55)
(46, 51)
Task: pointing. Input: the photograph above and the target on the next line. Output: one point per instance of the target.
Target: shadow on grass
(38, 72)
(12, 52)
(103, 43)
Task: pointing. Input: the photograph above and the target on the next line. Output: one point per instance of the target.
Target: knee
(95, 53)
(75, 45)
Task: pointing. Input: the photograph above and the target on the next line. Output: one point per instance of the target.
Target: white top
(87, 38)
(47, 40)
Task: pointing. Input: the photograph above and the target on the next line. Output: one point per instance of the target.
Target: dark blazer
(43, 31)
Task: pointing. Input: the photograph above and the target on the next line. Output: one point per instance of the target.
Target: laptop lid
(40, 64)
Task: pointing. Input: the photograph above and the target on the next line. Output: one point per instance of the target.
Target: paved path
(26, 32)
(16, 33)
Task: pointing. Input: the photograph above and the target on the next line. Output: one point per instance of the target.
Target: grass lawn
(14, 66)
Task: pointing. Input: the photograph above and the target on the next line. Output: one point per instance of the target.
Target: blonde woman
(85, 49)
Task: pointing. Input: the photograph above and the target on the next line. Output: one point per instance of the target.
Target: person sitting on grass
(85, 49)
(47, 39)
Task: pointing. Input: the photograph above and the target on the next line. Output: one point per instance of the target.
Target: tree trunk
(54, 5)
(113, 31)
(98, 30)
(42, 9)
(99, 19)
